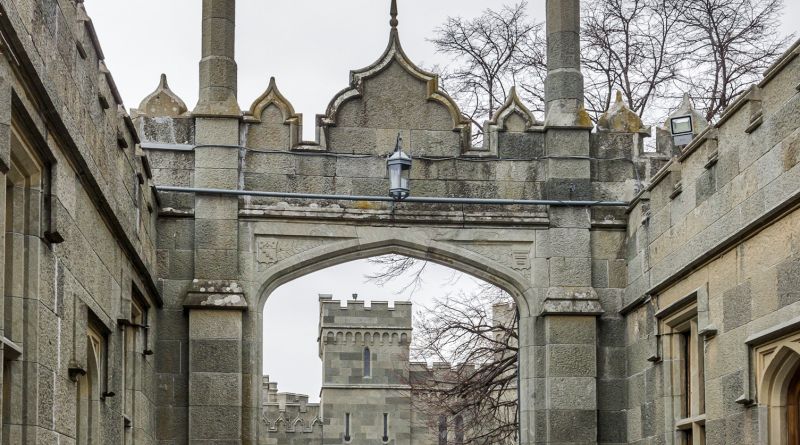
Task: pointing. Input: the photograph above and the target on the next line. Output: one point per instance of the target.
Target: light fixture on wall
(682, 129)
(399, 166)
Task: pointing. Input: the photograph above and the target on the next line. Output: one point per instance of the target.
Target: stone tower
(365, 394)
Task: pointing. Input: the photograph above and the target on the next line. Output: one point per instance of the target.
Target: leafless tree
(728, 44)
(480, 383)
(480, 347)
(651, 50)
(490, 54)
(632, 46)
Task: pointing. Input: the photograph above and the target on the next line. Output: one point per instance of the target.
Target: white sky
(310, 46)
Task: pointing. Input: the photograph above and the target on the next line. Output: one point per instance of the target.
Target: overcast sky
(310, 46)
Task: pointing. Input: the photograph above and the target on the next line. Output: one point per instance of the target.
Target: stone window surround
(90, 386)
(367, 363)
(774, 360)
(677, 322)
(22, 216)
(134, 343)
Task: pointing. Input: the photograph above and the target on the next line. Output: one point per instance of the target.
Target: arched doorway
(793, 409)
(779, 392)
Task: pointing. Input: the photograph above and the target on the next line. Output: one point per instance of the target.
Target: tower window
(385, 427)
(442, 430)
(347, 427)
(459, 427)
(367, 363)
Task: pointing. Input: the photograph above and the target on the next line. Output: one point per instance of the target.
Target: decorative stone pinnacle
(162, 102)
(686, 103)
(620, 119)
(393, 22)
(686, 108)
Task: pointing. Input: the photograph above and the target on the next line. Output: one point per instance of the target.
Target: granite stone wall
(79, 221)
(719, 226)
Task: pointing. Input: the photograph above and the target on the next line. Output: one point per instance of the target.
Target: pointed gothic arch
(285, 260)
(779, 394)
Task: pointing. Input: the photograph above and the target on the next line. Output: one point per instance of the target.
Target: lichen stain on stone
(214, 300)
(366, 205)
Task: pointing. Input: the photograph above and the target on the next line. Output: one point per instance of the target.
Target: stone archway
(419, 243)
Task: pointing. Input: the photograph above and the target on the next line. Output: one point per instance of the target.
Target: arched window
(347, 436)
(459, 427)
(442, 430)
(89, 390)
(367, 363)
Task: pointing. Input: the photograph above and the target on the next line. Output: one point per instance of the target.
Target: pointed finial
(686, 102)
(619, 96)
(393, 22)
(162, 102)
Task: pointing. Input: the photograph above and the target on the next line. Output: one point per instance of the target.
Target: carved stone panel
(273, 249)
(512, 255)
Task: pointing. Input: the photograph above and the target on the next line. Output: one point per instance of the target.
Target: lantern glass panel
(682, 125)
(395, 176)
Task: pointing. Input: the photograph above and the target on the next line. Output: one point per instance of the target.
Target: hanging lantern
(399, 167)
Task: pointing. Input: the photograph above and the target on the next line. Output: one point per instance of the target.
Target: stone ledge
(215, 294)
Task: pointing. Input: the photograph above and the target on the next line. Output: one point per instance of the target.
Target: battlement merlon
(355, 315)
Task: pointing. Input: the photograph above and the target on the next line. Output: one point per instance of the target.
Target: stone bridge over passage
(223, 246)
(657, 292)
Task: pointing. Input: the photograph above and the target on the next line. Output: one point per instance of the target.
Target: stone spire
(564, 84)
(393, 12)
(218, 71)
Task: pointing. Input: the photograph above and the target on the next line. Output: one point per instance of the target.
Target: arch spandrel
(389, 96)
(504, 263)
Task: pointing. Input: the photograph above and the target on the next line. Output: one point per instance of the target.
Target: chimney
(218, 66)
(564, 84)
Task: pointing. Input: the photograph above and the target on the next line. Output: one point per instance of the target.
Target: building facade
(657, 292)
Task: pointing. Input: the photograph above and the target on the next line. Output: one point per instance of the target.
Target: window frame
(683, 347)
(367, 363)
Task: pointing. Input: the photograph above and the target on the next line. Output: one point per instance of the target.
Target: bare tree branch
(499, 49)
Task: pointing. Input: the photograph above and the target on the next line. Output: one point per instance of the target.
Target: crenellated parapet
(289, 413)
(355, 315)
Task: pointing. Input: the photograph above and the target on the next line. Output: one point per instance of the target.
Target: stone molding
(211, 294)
(365, 336)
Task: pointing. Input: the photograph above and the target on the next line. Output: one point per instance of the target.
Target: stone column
(215, 362)
(216, 301)
(218, 82)
(565, 361)
(563, 87)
